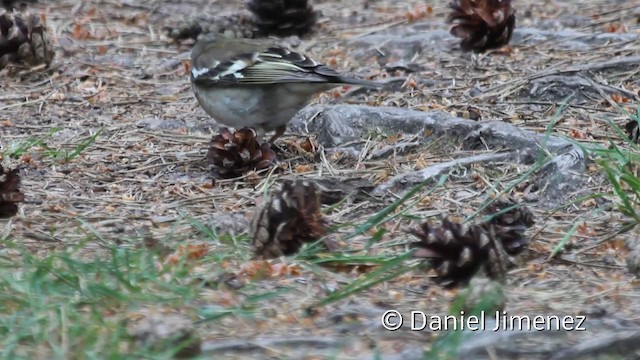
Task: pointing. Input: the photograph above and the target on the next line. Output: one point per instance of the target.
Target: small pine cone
(510, 226)
(482, 24)
(288, 219)
(633, 131)
(23, 40)
(10, 195)
(283, 17)
(458, 251)
(232, 154)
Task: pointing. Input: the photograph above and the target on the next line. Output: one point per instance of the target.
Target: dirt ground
(118, 76)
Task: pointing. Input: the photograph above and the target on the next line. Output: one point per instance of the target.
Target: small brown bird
(256, 83)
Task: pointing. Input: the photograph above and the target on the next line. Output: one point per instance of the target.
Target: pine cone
(482, 24)
(23, 40)
(283, 17)
(458, 251)
(10, 195)
(633, 131)
(289, 218)
(232, 154)
(511, 225)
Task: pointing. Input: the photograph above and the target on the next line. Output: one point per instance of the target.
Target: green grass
(63, 154)
(65, 306)
(620, 165)
(61, 307)
(17, 149)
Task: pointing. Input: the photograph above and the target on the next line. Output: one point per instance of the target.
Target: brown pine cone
(482, 24)
(233, 154)
(10, 195)
(283, 17)
(458, 251)
(23, 40)
(289, 218)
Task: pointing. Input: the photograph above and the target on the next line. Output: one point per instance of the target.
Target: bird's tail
(361, 82)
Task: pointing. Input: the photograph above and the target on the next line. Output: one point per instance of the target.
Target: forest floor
(122, 225)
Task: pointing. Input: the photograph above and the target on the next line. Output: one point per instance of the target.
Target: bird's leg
(279, 132)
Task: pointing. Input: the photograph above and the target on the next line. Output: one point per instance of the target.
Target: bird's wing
(275, 65)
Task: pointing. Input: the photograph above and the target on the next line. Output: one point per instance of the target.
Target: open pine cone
(232, 154)
(23, 40)
(458, 251)
(283, 17)
(10, 195)
(289, 218)
(482, 24)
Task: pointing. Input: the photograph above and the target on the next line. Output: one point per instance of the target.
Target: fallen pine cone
(283, 17)
(23, 40)
(233, 154)
(10, 195)
(458, 251)
(482, 24)
(289, 218)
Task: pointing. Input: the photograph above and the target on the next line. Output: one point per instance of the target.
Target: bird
(258, 83)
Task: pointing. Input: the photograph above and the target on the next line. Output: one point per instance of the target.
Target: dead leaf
(577, 134)
(188, 252)
(303, 168)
